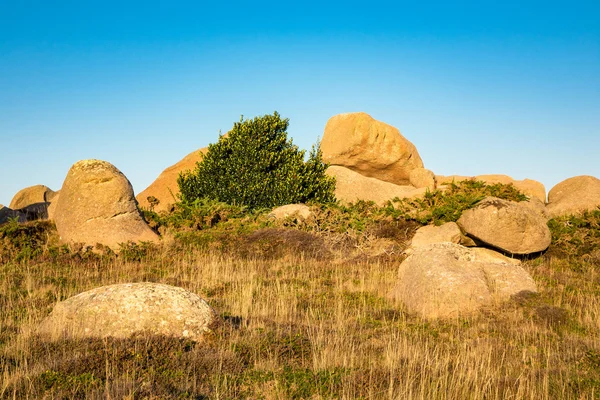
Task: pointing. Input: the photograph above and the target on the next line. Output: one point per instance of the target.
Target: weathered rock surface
(33, 202)
(352, 186)
(506, 225)
(370, 147)
(32, 195)
(448, 232)
(299, 211)
(529, 187)
(96, 205)
(422, 178)
(123, 309)
(6, 214)
(446, 280)
(574, 196)
(165, 188)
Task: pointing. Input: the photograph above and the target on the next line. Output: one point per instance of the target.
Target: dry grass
(314, 324)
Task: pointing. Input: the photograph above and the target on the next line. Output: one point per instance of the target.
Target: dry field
(306, 315)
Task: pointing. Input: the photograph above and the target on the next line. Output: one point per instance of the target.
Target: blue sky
(479, 87)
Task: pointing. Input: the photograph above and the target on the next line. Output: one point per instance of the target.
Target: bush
(439, 206)
(256, 166)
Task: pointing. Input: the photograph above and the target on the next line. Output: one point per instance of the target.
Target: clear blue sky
(509, 87)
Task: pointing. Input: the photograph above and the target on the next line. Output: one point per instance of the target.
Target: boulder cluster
(95, 205)
(456, 268)
(450, 270)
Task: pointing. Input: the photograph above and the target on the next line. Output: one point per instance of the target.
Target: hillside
(305, 310)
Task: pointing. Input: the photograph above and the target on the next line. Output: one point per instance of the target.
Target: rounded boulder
(372, 148)
(447, 280)
(97, 205)
(124, 309)
(574, 196)
(512, 227)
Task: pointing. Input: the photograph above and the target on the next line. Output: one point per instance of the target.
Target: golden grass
(298, 326)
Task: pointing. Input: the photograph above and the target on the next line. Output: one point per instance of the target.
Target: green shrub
(576, 235)
(257, 166)
(438, 207)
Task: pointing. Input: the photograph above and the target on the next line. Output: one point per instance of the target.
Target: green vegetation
(577, 235)
(438, 207)
(305, 310)
(257, 166)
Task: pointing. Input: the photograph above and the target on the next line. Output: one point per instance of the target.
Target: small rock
(300, 211)
(423, 178)
(448, 232)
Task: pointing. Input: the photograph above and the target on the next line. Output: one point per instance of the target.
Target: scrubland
(305, 311)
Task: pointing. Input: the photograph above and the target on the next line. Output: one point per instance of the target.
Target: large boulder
(370, 147)
(162, 193)
(506, 225)
(351, 186)
(124, 309)
(574, 196)
(447, 280)
(96, 205)
(33, 201)
(32, 195)
(529, 187)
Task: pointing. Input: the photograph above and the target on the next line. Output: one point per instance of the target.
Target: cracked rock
(124, 309)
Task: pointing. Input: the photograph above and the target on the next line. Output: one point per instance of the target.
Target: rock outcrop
(506, 225)
(96, 205)
(574, 196)
(7, 214)
(299, 211)
(352, 186)
(123, 309)
(32, 195)
(447, 280)
(370, 147)
(529, 187)
(164, 190)
(33, 201)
